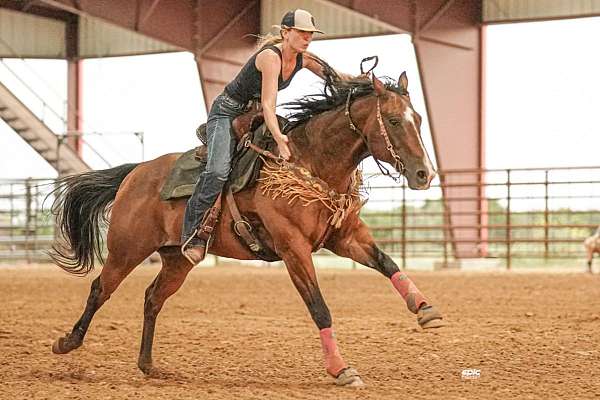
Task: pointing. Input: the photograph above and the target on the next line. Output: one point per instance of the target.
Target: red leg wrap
(409, 292)
(333, 360)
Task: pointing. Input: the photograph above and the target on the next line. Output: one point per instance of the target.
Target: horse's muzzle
(421, 179)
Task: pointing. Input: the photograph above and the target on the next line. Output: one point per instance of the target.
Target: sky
(542, 97)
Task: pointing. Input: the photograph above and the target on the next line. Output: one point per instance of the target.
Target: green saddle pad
(246, 165)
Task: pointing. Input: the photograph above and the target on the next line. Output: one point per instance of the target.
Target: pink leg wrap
(409, 292)
(333, 360)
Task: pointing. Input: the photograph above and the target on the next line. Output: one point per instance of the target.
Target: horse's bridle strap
(398, 164)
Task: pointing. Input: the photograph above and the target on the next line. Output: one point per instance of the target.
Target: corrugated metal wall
(100, 39)
(333, 19)
(515, 10)
(29, 36)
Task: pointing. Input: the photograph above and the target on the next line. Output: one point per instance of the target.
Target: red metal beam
(150, 11)
(74, 86)
(449, 54)
(230, 24)
(36, 9)
(208, 45)
(433, 19)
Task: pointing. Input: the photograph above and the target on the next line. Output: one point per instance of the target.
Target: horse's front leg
(354, 240)
(295, 251)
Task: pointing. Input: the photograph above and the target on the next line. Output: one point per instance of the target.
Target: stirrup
(185, 244)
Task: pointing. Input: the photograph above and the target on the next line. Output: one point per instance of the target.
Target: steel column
(74, 85)
(450, 60)
(230, 24)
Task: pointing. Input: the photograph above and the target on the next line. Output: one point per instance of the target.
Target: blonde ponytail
(268, 40)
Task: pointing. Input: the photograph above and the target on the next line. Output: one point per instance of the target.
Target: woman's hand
(284, 150)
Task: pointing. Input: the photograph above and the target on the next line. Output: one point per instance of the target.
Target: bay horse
(331, 134)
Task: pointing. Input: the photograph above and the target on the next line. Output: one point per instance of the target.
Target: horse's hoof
(429, 317)
(145, 367)
(349, 377)
(61, 346)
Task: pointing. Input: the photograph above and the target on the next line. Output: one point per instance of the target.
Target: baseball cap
(299, 19)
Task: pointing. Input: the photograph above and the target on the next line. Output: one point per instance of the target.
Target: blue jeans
(220, 146)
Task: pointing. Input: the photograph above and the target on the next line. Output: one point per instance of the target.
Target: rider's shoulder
(269, 52)
(267, 56)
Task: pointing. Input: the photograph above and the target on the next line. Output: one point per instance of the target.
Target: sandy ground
(244, 333)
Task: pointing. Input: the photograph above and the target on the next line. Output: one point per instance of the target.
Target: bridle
(398, 164)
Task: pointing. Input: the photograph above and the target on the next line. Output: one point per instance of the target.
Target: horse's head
(393, 132)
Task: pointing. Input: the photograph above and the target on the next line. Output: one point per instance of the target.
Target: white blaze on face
(409, 117)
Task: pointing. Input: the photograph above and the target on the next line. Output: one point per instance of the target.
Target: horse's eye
(394, 121)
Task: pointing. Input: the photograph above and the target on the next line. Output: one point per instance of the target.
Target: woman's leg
(220, 146)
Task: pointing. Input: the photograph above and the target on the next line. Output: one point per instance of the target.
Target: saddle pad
(246, 165)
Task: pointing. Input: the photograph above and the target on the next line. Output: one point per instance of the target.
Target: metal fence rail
(522, 214)
(26, 226)
(525, 213)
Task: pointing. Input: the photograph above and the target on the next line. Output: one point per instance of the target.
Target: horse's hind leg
(113, 273)
(170, 278)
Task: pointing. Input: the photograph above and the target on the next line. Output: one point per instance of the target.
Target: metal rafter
(149, 12)
(31, 8)
(354, 12)
(435, 17)
(226, 28)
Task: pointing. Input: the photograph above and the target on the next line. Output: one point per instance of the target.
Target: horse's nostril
(421, 175)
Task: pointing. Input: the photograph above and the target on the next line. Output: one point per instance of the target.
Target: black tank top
(248, 83)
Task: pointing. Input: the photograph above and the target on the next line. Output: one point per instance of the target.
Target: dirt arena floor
(244, 333)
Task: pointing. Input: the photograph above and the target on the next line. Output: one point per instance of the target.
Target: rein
(398, 164)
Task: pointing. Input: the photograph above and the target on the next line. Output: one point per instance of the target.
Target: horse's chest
(312, 221)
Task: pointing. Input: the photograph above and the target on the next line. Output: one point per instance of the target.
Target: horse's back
(138, 209)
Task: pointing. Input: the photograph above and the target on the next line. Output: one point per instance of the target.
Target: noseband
(398, 164)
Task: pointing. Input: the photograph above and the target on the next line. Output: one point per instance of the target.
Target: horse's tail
(81, 207)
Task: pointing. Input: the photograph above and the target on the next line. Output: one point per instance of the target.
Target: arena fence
(26, 226)
(514, 216)
(509, 216)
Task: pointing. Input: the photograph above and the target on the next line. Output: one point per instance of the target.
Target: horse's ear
(379, 86)
(403, 81)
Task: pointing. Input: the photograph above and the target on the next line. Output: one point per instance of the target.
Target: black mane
(335, 93)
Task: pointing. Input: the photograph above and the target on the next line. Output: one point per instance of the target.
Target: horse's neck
(330, 149)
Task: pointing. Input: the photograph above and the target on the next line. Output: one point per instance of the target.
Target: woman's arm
(269, 64)
(311, 63)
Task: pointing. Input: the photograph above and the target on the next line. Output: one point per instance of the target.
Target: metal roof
(98, 38)
(529, 10)
(26, 35)
(339, 21)
(30, 36)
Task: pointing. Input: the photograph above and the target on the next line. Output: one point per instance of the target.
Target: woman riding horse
(292, 214)
(269, 70)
